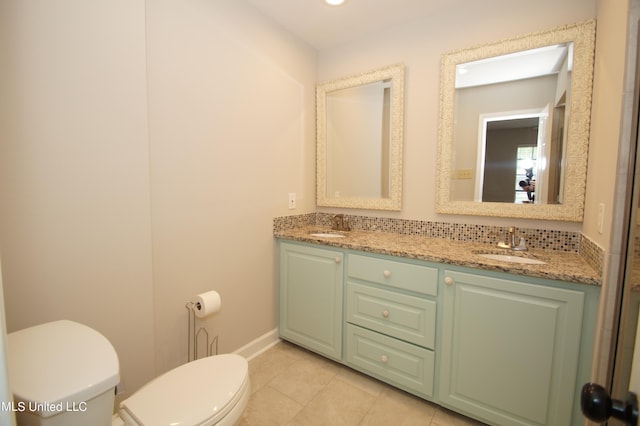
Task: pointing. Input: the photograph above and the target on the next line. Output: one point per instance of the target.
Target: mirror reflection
(359, 140)
(509, 129)
(509, 164)
(514, 126)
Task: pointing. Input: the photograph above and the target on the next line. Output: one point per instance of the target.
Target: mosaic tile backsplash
(565, 241)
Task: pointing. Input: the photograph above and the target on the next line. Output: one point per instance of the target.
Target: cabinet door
(510, 350)
(311, 298)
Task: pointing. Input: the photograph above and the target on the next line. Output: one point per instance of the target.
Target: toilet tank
(62, 373)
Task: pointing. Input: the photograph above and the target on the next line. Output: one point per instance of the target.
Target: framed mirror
(360, 122)
(514, 126)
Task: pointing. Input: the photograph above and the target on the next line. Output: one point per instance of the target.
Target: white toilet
(64, 374)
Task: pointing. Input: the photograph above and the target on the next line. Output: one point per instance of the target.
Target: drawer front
(399, 363)
(402, 316)
(407, 276)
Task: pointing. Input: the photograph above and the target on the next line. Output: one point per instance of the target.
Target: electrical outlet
(600, 223)
(292, 200)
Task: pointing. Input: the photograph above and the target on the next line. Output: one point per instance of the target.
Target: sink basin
(326, 235)
(512, 259)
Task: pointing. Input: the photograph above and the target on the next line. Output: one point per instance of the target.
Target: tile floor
(291, 386)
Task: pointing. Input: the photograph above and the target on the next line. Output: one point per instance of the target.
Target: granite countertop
(570, 267)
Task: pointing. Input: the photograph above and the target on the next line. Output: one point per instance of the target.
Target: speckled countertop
(561, 266)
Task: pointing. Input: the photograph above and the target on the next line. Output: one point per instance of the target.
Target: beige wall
(420, 45)
(75, 227)
(232, 125)
(607, 110)
(145, 148)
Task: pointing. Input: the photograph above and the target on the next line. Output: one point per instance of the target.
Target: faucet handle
(339, 223)
(522, 245)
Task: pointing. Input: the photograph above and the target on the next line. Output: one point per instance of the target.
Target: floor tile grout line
(288, 397)
(292, 351)
(373, 404)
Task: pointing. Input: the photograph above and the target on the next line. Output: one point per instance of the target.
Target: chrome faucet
(511, 241)
(338, 223)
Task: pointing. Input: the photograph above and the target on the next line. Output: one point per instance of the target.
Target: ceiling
(515, 66)
(322, 26)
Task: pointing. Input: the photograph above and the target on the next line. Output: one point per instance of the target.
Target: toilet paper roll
(207, 303)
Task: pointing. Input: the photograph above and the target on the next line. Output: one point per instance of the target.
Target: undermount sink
(511, 258)
(326, 235)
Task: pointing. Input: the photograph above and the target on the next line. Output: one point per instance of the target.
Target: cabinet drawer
(399, 363)
(397, 315)
(407, 276)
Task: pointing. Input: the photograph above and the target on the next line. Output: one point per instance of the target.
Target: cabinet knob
(386, 273)
(385, 314)
(338, 259)
(384, 359)
(448, 280)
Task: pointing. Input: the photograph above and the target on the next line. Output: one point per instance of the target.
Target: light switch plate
(464, 174)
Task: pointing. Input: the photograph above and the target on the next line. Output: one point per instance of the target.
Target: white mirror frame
(394, 202)
(583, 36)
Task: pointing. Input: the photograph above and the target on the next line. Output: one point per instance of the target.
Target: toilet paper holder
(194, 336)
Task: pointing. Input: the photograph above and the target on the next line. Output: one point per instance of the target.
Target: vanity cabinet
(391, 321)
(310, 298)
(501, 348)
(510, 349)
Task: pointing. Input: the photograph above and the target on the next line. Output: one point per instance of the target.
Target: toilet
(64, 373)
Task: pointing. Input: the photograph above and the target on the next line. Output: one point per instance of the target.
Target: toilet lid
(58, 363)
(190, 394)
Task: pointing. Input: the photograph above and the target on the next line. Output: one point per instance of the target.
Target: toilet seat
(201, 392)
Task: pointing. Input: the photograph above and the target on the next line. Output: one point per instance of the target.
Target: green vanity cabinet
(501, 348)
(511, 349)
(390, 314)
(310, 298)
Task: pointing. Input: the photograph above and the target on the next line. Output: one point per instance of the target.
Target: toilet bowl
(64, 374)
(208, 391)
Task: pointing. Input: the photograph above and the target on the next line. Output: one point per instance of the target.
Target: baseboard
(259, 345)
